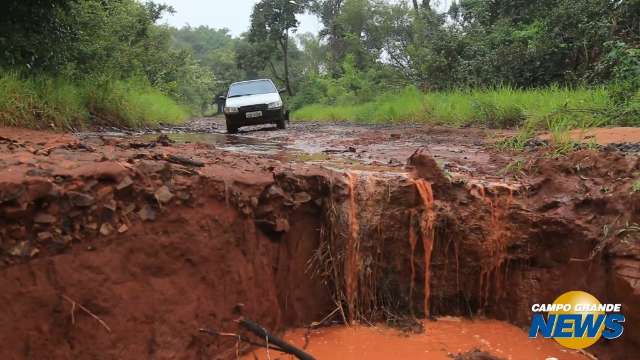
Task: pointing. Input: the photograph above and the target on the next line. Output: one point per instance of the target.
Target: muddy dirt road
(384, 147)
(117, 245)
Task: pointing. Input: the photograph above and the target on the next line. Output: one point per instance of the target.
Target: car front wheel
(231, 129)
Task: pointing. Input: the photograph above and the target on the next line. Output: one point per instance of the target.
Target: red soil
(156, 246)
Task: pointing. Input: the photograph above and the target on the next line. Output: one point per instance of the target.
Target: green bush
(41, 101)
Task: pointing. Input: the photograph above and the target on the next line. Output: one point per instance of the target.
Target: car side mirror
(281, 91)
(222, 98)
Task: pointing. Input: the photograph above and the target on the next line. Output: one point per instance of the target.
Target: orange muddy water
(442, 340)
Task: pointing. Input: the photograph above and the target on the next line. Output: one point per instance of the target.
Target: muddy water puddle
(341, 158)
(442, 340)
(235, 143)
(283, 150)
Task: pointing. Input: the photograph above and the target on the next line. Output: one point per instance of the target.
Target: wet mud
(445, 339)
(117, 246)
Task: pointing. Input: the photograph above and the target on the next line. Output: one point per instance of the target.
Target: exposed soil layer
(445, 339)
(115, 247)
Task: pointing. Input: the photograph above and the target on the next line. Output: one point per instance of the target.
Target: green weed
(41, 101)
(515, 168)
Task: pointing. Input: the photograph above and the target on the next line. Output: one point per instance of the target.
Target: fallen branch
(316, 324)
(589, 355)
(239, 337)
(261, 332)
(184, 161)
(73, 308)
(350, 149)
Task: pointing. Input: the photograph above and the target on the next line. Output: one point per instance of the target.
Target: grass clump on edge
(554, 109)
(498, 108)
(133, 103)
(42, 101)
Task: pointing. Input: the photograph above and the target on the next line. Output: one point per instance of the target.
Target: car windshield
(251, 88)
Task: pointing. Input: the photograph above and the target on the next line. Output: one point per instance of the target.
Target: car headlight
(230, 110)
(275, 105)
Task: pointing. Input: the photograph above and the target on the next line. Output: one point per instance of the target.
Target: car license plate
(254, 114)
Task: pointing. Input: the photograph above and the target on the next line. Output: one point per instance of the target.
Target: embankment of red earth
(114, 248)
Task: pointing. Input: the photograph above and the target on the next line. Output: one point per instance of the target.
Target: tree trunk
(415, 6)
(285, 53)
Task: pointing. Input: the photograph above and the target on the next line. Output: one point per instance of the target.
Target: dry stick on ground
(73, 308)
(315, 324)
(589, 355)
(240, 337)
(260, 331)
(604, 242)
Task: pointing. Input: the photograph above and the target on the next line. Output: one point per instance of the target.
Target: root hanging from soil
(73, 309)
(352, 260)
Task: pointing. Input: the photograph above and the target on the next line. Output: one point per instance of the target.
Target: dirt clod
(44, 218)
(80, 199)
(424, 166)
(106, 229)
(163, 195)
(475, 355)
(147, 213)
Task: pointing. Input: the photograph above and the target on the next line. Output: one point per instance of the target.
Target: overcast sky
(231, 14)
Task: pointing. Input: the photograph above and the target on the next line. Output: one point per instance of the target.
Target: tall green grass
(133, 103)
(553, 107)
(41, 101)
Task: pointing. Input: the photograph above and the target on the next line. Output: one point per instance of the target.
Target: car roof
(248, 81)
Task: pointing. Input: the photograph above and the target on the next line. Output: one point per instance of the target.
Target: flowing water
(413, 242)
(427, 234)
(495, 268)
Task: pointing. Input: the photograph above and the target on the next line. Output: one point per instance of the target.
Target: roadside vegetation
(45, 102)
(495, 64)
(532, 65)
(73, 64)
(550, 108)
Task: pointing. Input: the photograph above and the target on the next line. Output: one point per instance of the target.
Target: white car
(254, 102)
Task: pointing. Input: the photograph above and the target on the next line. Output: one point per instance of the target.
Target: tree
(33, 33)
(214, 49)
(328, 12)
(271, 24)
(313, 54)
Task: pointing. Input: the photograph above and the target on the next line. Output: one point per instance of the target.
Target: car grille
(259, 107)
